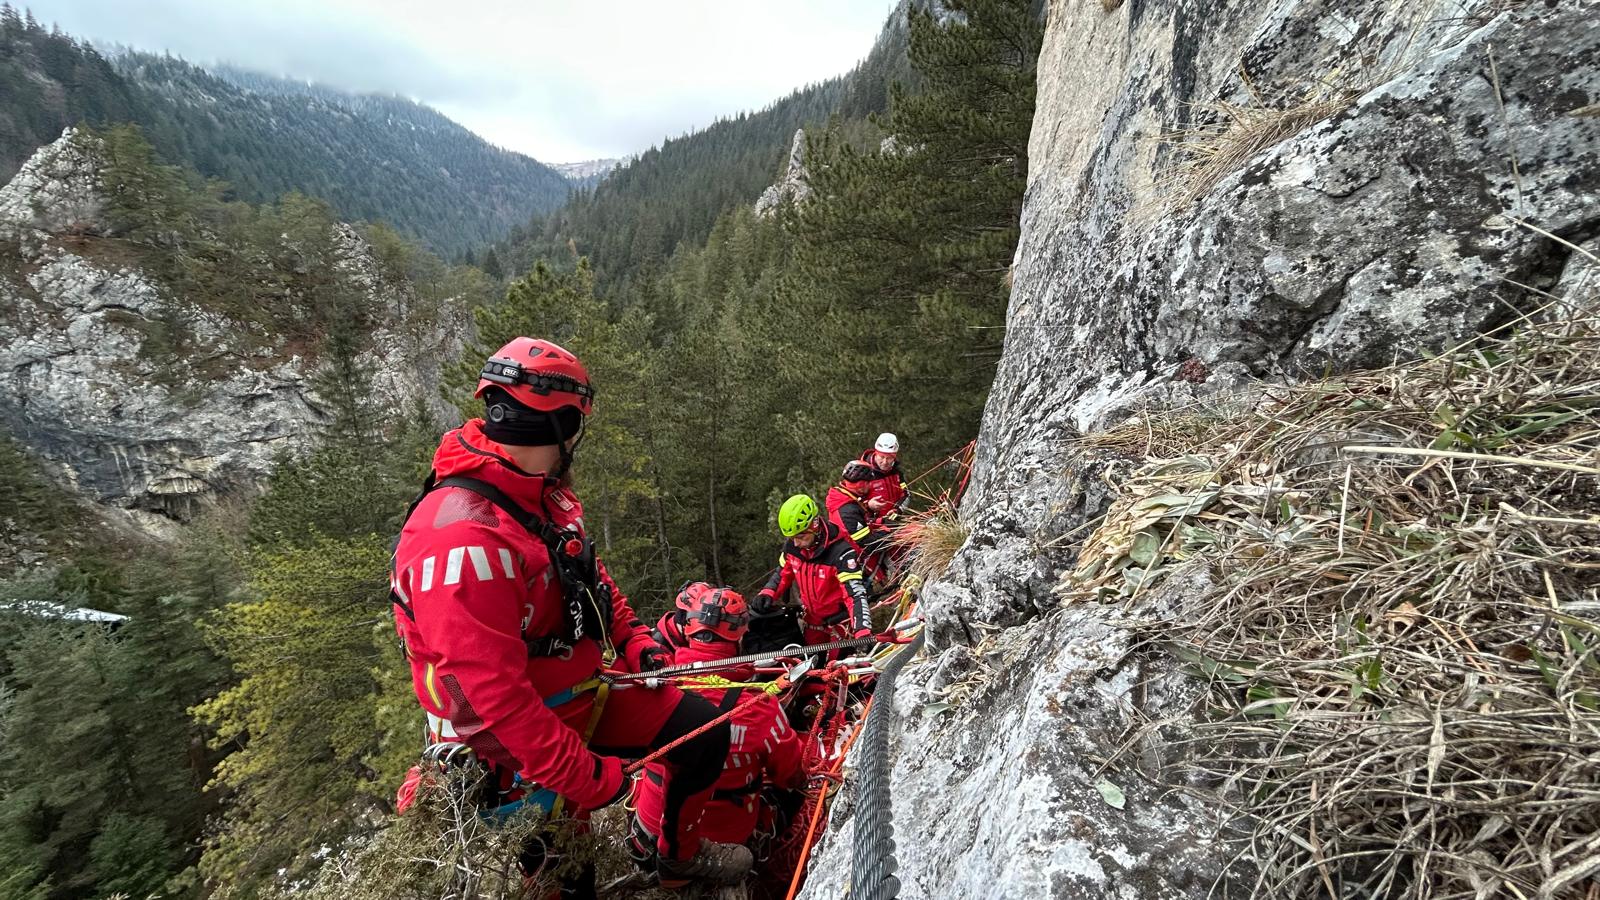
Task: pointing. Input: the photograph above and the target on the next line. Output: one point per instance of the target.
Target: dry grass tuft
(441, 848)
(1162, 433)
(930, 540)
(1403, 650)
(1226, 136)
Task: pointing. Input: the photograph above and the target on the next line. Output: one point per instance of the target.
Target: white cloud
(558, 80)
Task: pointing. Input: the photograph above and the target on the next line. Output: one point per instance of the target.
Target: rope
(873, 863)
(820, 804)
(966, 473)
(718, 683)
(959, 456)
(638, 765)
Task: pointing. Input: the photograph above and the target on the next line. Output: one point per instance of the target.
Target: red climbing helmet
(720, 612)
(538, 374)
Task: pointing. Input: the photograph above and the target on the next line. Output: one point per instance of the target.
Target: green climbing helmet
(796, 515)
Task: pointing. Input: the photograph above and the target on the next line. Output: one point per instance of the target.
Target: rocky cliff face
(1369, 164)
(793, 186)
(125, 428)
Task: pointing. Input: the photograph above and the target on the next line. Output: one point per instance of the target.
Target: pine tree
(97, 772)
(491, 265)
(901, 259)
(316, 736)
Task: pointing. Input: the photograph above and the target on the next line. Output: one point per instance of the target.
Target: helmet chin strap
(567, 454)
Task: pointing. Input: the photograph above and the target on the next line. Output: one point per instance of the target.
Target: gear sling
(573, 558)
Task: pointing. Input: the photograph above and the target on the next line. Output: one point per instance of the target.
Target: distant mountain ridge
(590, 171)
(673, 193)
(372, 156)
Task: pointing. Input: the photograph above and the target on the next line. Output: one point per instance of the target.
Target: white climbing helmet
(887, 443)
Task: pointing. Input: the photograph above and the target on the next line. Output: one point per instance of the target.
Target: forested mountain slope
(373, 157)
(672, 194)
(189, 388)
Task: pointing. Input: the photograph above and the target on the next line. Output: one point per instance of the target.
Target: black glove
(654, 658)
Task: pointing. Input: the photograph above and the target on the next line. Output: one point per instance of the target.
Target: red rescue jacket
(828, 579)
(480, 612)
(862, 482)
(764, 750)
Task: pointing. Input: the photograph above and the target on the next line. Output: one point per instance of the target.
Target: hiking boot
(721, 863)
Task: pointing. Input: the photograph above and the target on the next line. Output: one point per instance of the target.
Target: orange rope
(954, 457)
(634, 767)
(816, 812)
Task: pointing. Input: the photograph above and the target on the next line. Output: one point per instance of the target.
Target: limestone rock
(155, 439)
(1384, 228)
(793, 187)
(1581, 278)
(1000, 768)
(1382, 231)
(57, 190)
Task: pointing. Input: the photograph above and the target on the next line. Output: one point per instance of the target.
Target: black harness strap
(499, 498)
(579, 573)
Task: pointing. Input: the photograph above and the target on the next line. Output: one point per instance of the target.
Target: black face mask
(508, 422)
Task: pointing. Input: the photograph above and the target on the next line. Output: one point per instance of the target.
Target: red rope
(966, 472)
(821, 802)
(964, 453)
(637, 765)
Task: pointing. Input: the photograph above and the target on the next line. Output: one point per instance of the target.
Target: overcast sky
(560, 80)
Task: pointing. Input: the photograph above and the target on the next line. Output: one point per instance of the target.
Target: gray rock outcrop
(128, 430)
(1384, 227)
(1384, 230)
(54, 192)
(793, 187)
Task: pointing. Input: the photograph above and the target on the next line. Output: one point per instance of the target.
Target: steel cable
(872, 853)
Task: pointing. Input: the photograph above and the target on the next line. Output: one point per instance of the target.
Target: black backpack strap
(535, 526)
(729, 698)
(499, 498)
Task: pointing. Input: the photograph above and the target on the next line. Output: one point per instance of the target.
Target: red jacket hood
(468, 451)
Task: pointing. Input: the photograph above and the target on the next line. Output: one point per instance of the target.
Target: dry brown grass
(442, 850)
(1404, 650)
(1162, 433)
(930, 540)
(1223, 137)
